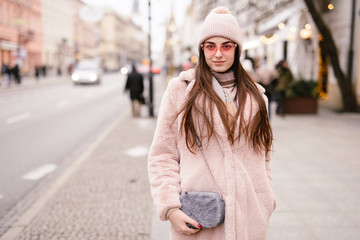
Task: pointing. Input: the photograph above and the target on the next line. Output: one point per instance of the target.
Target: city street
(74, 157)
(44, 127)
(104, 194)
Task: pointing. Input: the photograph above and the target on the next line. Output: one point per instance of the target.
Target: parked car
(87, 71)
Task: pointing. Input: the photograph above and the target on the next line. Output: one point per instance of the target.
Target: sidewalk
(316, 177)
(32, 82)
(105, 193)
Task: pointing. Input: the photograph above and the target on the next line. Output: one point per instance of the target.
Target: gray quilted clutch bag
(207, 208)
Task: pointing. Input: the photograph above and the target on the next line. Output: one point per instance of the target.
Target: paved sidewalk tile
(316, 177)
(108, 196)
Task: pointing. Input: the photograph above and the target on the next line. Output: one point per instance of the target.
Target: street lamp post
(151, 107)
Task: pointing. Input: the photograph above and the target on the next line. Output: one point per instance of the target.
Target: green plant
(303, 88)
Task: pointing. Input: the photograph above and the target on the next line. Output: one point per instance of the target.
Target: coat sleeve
(163, 160)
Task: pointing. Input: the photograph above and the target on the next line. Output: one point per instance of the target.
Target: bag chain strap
(198, 143)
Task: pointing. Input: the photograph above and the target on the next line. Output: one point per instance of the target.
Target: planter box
(301, 105)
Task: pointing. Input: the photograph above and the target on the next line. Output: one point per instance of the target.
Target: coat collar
(188, 78)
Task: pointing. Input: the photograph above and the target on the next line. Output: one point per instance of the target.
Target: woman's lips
(218, 62)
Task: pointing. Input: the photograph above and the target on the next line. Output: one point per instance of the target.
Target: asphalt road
(42, 129)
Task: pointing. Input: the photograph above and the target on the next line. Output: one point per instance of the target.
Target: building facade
(68, 35)
(58, 25)
(21, 33)
(121, 41)
(86, 30)
(56, 34)
(284, 29)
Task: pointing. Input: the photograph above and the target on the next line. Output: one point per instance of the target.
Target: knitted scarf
(224, 86)
(226, 79)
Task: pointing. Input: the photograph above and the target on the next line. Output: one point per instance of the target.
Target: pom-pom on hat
(221, 23)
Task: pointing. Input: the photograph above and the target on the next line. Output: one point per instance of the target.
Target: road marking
(137, 151)
(62, 103)
(39, 172)
(17, 118)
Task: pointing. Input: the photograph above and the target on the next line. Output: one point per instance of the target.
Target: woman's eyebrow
(220, 43)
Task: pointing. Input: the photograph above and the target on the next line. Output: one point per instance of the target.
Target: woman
(218, 102)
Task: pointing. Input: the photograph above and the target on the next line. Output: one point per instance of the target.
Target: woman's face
(219, 53)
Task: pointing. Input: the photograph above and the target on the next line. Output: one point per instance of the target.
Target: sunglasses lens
(210, 48)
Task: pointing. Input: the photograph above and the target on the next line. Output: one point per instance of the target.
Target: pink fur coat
(243, 175)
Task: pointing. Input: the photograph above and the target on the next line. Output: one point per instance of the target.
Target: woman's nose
(218, 52)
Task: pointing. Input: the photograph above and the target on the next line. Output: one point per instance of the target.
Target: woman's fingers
(183, 223)
(191, 223)
(189, 230)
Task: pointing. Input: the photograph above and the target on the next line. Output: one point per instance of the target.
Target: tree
(344, 81)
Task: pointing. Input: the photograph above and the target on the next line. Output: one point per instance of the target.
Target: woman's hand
(179, 219)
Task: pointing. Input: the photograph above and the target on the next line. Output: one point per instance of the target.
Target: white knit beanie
(221, 23)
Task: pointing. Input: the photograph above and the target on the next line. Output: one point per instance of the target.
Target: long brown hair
(257, 132)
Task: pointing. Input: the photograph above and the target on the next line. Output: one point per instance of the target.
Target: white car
(87, 71)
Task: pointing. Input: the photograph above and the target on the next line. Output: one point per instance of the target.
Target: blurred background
(64, 67)
(55, 35)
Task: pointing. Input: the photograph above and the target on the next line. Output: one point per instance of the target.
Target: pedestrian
(266, 76)
(37, 72)
(213, 134)
(285, 78)
(8, 75)
(43, 70)
(17, 75)
(4, 75)
(135, 84)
